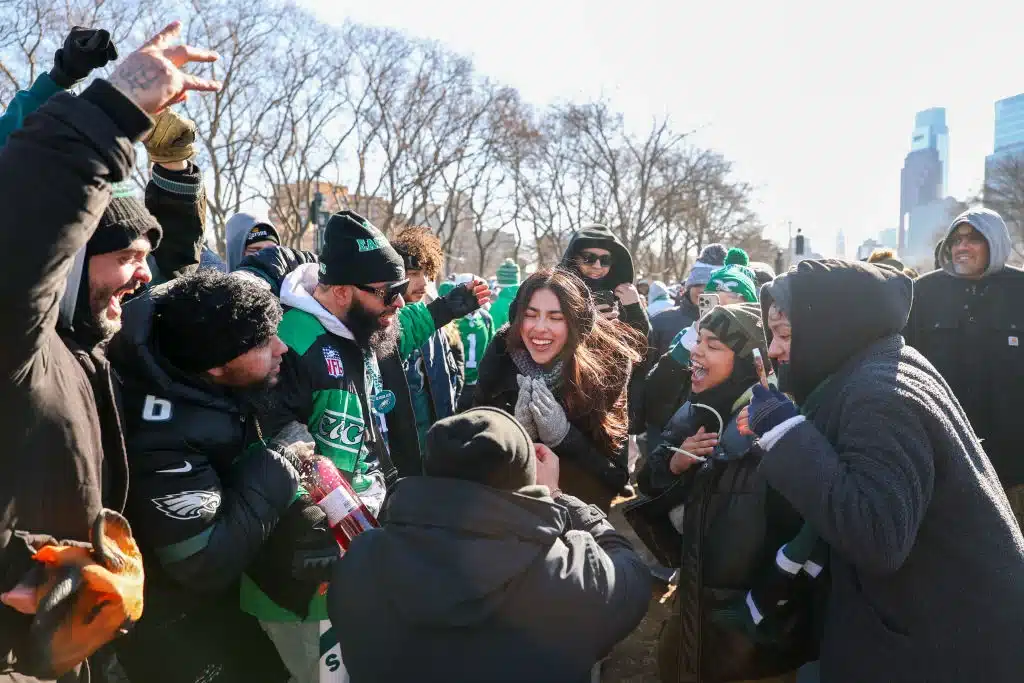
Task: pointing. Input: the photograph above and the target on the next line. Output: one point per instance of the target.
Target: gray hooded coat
(971, 331)
(237, 227)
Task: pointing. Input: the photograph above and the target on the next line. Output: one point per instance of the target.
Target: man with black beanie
(198, 357)
(347, 327)
(74, 256)
(483, 570)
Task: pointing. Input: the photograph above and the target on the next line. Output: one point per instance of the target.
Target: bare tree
(32, 30)
(1004, 194)
(232, 123)
(306, 135)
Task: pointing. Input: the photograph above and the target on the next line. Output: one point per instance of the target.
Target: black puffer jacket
(587, 471)
(733, 526)
(205, 496)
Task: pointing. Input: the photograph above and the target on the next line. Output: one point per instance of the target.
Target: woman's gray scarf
(527, 366)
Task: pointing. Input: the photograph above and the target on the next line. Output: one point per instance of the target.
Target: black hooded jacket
(64, 458)
(972, 331)
(621, 272)
(467, 583)
(926, 556)
(205, 495)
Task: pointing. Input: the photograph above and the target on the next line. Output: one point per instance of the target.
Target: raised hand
(83, 50)
(627, 294)
(172, 139)
(768, 409)
(151, 76)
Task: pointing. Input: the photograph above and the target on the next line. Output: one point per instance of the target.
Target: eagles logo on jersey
(188, 505)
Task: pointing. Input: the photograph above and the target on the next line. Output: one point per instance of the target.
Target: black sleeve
(177, 199)
(667, 386)
(272, 264)
(655, 475)
(577, 447)
(202, 529)
(635, 316)
(55, 176)
(614, 577)
(292, 398)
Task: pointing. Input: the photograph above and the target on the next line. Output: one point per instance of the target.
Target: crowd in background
(820, 461)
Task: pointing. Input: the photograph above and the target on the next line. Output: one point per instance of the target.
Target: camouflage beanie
(739, 327)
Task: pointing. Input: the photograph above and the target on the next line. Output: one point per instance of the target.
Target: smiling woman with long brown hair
(562, 370)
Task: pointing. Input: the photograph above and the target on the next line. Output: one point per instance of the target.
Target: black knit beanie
(485, 445)
(357, 253)
(125, 220)
(205, 319)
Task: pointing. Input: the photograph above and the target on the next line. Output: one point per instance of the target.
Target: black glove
(297, 558)
(457, 303)
(84, 49)
(273, 264)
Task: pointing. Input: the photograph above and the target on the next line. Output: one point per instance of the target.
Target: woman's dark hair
(598, 357)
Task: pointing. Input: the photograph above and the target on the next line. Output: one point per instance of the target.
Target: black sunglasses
(388, 293)
(600, 259)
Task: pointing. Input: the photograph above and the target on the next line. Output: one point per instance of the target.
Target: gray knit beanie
(712, 257)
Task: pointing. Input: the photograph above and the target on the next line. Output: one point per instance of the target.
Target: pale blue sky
(814, 103)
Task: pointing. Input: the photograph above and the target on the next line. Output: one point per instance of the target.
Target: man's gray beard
(384, 341)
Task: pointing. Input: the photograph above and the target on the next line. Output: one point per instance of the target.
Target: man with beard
(75, 255)
(197, 357)
(347, 327)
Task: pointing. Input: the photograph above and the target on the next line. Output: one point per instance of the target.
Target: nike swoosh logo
(187, 467)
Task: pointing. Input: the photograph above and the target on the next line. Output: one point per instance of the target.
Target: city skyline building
(1008, 134)
(923, 180)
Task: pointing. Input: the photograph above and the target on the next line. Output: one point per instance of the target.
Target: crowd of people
(827, 477)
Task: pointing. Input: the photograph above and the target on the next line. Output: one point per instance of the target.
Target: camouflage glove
(172, 139)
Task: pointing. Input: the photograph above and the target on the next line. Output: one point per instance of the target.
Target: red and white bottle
(346, 514)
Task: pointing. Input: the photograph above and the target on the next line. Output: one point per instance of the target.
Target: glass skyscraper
(1009, 123)
(923, 180)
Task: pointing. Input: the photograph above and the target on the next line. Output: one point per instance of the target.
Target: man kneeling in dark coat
(926, 559)
(483, 570)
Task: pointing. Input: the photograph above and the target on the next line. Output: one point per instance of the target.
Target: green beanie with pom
(737, 257)
(445, 287)
(508, 273)
(737, 279)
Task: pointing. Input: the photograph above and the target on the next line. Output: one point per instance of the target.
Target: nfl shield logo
(333, 360)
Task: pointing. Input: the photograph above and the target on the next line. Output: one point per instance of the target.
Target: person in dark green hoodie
(599, 257)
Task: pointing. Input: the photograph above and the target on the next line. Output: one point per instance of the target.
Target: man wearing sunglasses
(596, 255)
(967, 320)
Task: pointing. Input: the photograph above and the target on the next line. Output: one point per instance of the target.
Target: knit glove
(522, 411)
(172, 139)
(768, 409)
(684, 345)
(84, 49)
(548, 415)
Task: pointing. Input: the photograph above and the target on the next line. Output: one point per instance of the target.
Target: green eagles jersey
(476, 331)
(331, 389)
